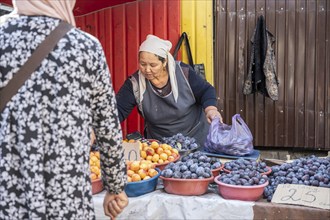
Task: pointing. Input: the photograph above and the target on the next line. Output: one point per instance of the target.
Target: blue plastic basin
(134, 189)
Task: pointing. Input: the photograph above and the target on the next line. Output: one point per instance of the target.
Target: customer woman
(45, 127)
(170, 96)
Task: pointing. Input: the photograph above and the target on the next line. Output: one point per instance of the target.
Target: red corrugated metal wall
(301, 116)
(122, 28)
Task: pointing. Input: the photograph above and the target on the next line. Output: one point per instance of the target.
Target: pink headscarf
(61, 9)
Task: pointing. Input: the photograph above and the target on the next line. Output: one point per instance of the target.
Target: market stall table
(161, 205)
(272, 211)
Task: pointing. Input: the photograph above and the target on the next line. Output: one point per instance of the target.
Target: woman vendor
(169, 94)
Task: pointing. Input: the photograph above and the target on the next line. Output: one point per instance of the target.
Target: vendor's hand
(212, 112)
(114, 204)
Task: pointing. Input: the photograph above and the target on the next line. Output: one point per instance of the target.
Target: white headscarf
(162, 48)
(62, 9)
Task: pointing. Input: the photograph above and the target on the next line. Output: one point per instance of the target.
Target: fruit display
(241, 192)
(245, 165)
(94, 164)
(95, 172)
(186, 170)
(181, 142)
(140, 170)
(246, 185)
(157, 152)
(240, 176)
(193, 166)
(310, 171)
(243, 178)
(186, 187)
(201, 157)
(138, 188)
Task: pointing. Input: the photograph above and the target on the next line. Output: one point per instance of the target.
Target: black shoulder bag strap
(184, 37)
(32, 63)
(199, 68)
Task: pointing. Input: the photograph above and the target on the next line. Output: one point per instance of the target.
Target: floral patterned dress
(45, 128)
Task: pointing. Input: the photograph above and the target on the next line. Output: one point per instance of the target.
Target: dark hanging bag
(199, 68)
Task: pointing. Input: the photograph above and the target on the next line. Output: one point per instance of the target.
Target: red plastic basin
(236, 192)
(186, 187)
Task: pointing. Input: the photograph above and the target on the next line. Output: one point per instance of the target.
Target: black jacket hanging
(262, 68)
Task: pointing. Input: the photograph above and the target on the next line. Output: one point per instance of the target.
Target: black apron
(164, 117)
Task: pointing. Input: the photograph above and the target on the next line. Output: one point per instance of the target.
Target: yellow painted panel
(197, 22)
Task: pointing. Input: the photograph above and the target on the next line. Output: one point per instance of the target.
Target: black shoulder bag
(199, 68)
(7, 92)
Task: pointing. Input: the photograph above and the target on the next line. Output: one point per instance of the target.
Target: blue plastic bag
(235, 139)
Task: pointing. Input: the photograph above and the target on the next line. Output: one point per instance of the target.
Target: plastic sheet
(160, 205)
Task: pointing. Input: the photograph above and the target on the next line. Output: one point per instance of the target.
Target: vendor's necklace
(162, 91)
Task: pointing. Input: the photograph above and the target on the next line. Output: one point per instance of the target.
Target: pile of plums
(200, 157)
(192, 166)
(180, 142)
(310, 171)
(243, 178)
(242, 164)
